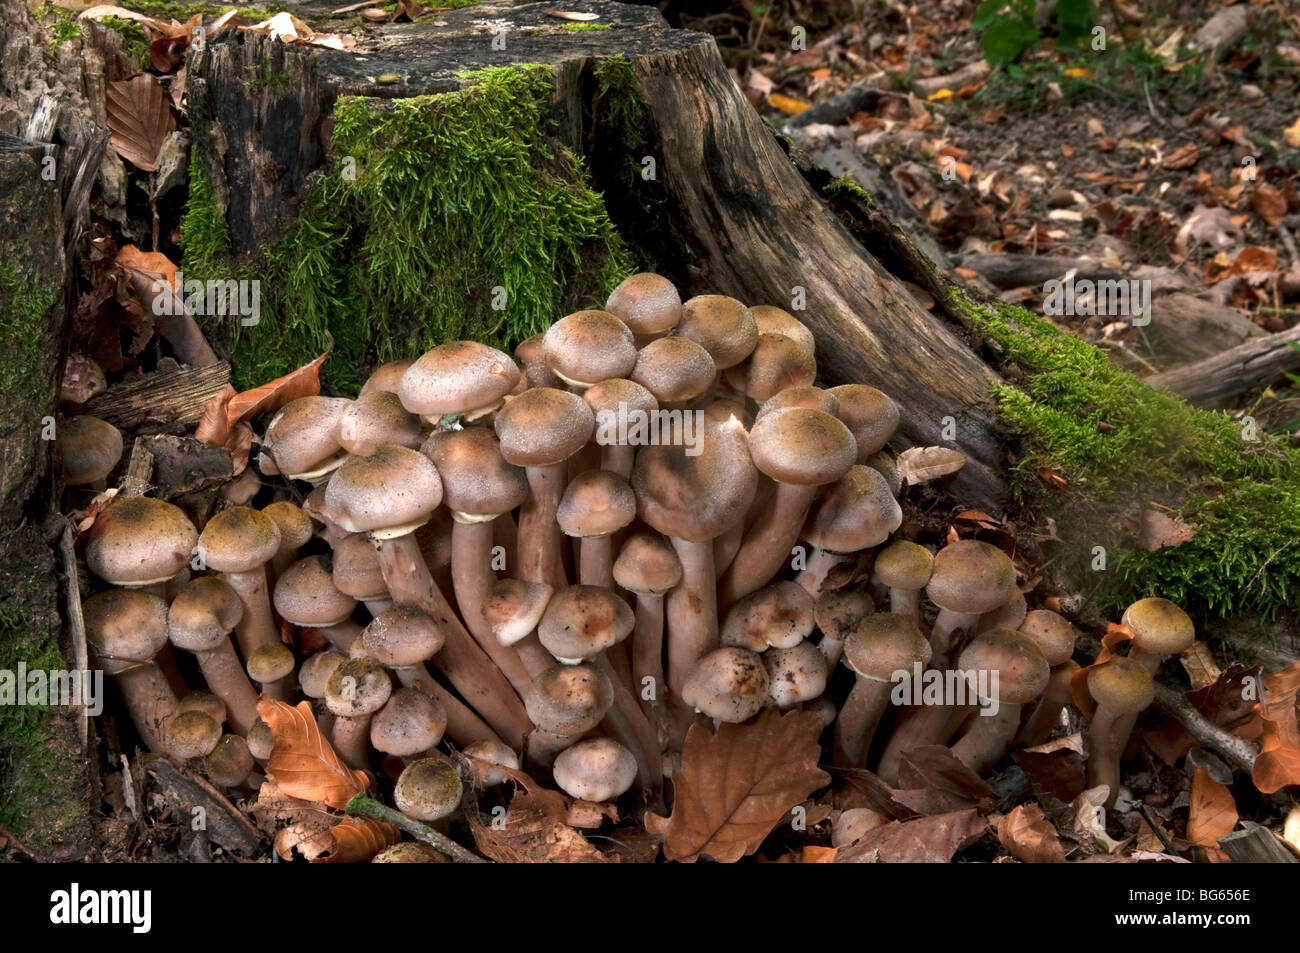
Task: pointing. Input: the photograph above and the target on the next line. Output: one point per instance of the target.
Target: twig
(1238, 752)
(362, 806)
(1156, 829)
(76, 628)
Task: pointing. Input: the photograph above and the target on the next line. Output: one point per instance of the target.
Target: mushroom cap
(1052, 632)
(138, 541)
(203, 614)
(376, 419)
(491, 758)
(589, 346)
(301, 440)
(1022, 670)
(580, 622)
(697, 496)
(807, 396)
(971, 577)
(596, 503)
(543, 426)
(230, 762)
(456, 378)
(402, 636)
(515, 607)
(357, 571)
(358, 687)
(204, 701)
(614, 400)
(192, 734)
(314, 674)
(801, 446)
(869, 413)
(884, 643)
(1159, 626)
(796, 674)
(777, 362)
(386, 494)
(780, 616)
(887, 466)
(729, 684)
(596, 769)
(647, 565)
(386, 377)
(434, 539)
(647, 303)
(125, 628)
(569, 699)
(409, 723)
(1122, 685)
(838, 611)
(270, 662)
(305, 594)
(239, 539)
(773, 320)
(722, 326)
(476, 480)
(293, 522)
(855, 512)
(904, 565)
(674, 369)
(428, 789)
(90, 448)
(261, 740)
(1009, 615)
(529, 353)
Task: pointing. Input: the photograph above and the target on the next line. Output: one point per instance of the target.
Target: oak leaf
(931, 840)
(1213, 811)
(1278, 764)
(303, 764)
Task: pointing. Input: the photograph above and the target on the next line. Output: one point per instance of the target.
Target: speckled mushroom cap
(855, 512)
(971, 577)
(90, 448)
(515, 607)
(806, 396)
(357, 571)
(589, 346)
(729, 684)
(674, 369)
(1122, 685)
(596, 503)
(402, 636)
(838, 611)
(543, 426)
(239, 539)
(261, 740)
(459, 377)
(305, 594)
(124, 628)
(314, 673)
(904, 565)
(203, 614)
(1009, 615)
(580, 622)
(376, 419)
(387, 494)
(1159, 626)
(1016, 658)
(293, 522)
(595, 769)
(477, 483)
(358, 687)
(301, 440)
(697, 497)
(192, 734)
(801, 446)
(722, 326)
(780, 616)
(614, 400)
(884, 643)
(647, 303)
(773, 320)
(206, 702)
(569, 699)
(138, 541)
(428, 789)
(229, 763)
(386, 377)
(647, 565)
(795, 675)
(490, 759)
(529, 353)
(270, 662)
(1052, 632)
(410, 723)
(777, 362)
(870, 414)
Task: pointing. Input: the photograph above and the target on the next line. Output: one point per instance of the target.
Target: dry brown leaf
(735, 786)
(531, 835)
(1184, 157)
(214, 425)
(1213, 811)
(1278, 763)
(931, 780)
(139, 116)
(923, 464)
(571, 15)
(303, 382)
(1198, 662)
(817, 854)
(926, 840)
(1269, 204)
(357, 839)
(1160, 531)
(303, 764)
(1030, 837)
(100, 11)
(151, 262)
(1292, 134)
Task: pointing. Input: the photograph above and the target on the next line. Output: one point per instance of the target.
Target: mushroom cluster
(564, 561)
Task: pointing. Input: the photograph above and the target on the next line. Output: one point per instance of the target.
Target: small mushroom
(596, 505)
(230, 763)
(200, 620)
(459, 378)
(904, 568)
(90, 449)
(871, 415)
(409, 724)
(647, 303)
(139, 543)
(271, 666)
(837, 613)
(238, 543)
(796, 674)
(586, 347)
(856, 512)
(1121, 687)
(125, 629)
(301, 440)
(1022, 673)
(597, 769)
(876, 650)
(729, 684)
(428, 789)
(968, 578)
(192, 734)
(357, 689)
(648, 567)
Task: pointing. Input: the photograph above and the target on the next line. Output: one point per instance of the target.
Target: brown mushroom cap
(971, 577)
(647, 565)
(1122, 685)
(589, 346)
(301, 440)
(674, 369)
(729, 684)
(1052, 632)
(428, 789)
(884, 643)
(796, 674)
(838, 611)
(192, 734)
(904, 565)
(230, 762)
(777, 362)
(138, 541)
(870, 414)
(801, 446)
(477, 482)
(386, 377)
(773, 320)
(722, 326)
(402, 636)
(357, 571)
(597, 769)
(203, 614)
(647, 303)
(529, 353)
(1010, 615)
(458, 377)
(853, 513)
(314, 674)
(386, 494)
(806, 396)
(1022, 671)
(261, 740)
(569, 699)
(125, 628)
(779, 616)
(410, 723)
(596, 503)
(515, 607)
(305, 594)
(617, 399)
(239, 539)
(491, 758)
(376, 419)
(580, 622)
(206, 702)
(358, 687)
(293, 522)
(90, 448)
(1159, 626)
(270, 662)
(543, 426)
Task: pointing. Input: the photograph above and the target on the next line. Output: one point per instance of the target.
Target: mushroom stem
(472, 580)
(1047, 713)
(226, 677)
(463, 726)
(618, 458)
(767, 545)
(919, 726)
(540, 539)
(596, 561)
(257, 626)
(631, 728)
(692, 614)
(1105, 746)
(906, 602)
(341, 635)
(151, 702)
(819, 565)
(988, 738)
(945, 625)
(350, 736)
(648, 658)
(726, 546)
(856, 723)
(544, 745)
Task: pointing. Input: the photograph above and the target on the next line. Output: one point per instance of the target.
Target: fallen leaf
(357, 839)
(100, 11)
(1213, 811)
(735, 786)
(1030, 837)
(1198, 662)
(939, 95)
(303, 382)
(1116, 634)
(1278, 764)
(1088, 818)
(1160, 531)
(571, 15)
(817, 854)
(1052, 478)
(932, 781)
(1292, 134)
(787, 104)
(1056, 778)
(153, 263)
(926, 840)
(303, 764)
(214, 425)
(923, 464)
(1184, 157)
(1269, 204)
(530, 835)
(139, 116)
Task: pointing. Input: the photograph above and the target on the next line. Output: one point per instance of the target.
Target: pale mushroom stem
(1047, 713)
(341, 635)
(479, 681)
(151, 702)
(596, 561)
(945, 625)
(906, 602)
(633, 730)
(464, 726)
(988, 738)
(472, 579)
(856, 723)
(226, 677)
(767, 545)
(691, 610)
(540, 539)
(544, 746)
(533, 654)
(919, 726)
(618, 458)
(819, 565)
(1105, 745)
(1124, 724)
(506, 535)
(832, 649)
(726, 546)
(648, 658)
(349, 737)
(257, 627)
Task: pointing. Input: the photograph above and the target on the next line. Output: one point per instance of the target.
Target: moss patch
(585, 27)
(21, 327)
(204, 235)
(846, 185)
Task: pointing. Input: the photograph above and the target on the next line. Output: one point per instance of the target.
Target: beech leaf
(926, 840)
(303, 382)
(1030, 837)
(356, 840)
(1213, 811)
(923, 464)
(139, 117)
(303, 764)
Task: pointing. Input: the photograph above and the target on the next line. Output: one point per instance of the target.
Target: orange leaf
(1052, 478)
(214, 426)
(152, 262)
(813, 854)
(139, 116)
(1030, 836)
(356, 840)
(303, 382)
(1115, 635)
(787, 104)
(1213, 811)
(1278, 763)
(1269, 204)
(302, 763)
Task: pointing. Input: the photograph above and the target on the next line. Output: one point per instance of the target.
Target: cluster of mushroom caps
(546, 580)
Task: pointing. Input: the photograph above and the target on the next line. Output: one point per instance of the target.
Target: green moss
(846, 185)
(134, 41)
(62, 26)
(181, 12)
(204, 235)
(265, 77)
(585, 27)
(20, 327)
